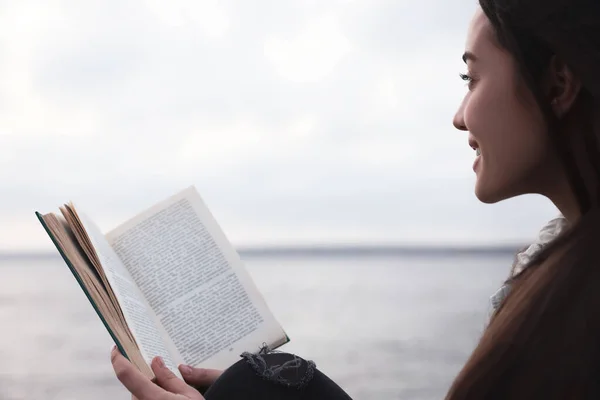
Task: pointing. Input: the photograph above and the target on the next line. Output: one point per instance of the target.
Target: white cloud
(243, 140)
(312, 54)
(24, 30)
(206, 15)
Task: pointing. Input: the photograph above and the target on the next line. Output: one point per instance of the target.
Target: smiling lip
(476, 163)
(475, 146)
(473, 143)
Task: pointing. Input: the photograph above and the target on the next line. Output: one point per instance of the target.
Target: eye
(467, 78)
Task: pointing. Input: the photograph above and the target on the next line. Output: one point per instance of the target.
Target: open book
(167, 283)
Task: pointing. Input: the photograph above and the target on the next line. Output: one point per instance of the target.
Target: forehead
(480, 34)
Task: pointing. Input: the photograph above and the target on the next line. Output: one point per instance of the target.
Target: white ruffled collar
(547, 234)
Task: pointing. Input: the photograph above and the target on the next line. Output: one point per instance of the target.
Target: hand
(169, 387)
(199, 377)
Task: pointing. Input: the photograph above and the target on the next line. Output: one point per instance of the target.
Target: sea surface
(382, 326)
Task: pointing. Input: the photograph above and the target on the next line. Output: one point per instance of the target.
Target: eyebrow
(469, 56)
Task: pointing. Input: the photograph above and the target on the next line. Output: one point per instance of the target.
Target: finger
(169, 381)
(199, 376)
(137, 384)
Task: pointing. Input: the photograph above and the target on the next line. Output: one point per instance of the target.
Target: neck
(568, 208)
(555, 185)
(564, 199)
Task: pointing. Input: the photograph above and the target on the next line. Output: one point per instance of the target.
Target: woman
(532, 112)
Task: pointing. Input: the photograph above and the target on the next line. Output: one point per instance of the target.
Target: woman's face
(505, 127)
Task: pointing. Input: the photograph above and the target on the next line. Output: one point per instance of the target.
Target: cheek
(507, 129)
(512, 138)
(489, 110)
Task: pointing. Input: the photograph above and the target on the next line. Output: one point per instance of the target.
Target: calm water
(382, 327)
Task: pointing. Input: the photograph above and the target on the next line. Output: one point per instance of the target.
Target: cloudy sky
(299, 121)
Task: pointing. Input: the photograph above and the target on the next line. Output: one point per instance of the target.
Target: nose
(459, 119)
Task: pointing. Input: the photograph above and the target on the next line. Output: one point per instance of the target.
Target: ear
(564, 86)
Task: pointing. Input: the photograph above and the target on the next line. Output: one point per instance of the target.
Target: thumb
(170, 382)
(199, 377)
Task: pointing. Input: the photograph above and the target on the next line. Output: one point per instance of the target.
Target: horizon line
(331, 249)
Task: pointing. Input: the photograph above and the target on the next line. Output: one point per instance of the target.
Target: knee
(282, 368)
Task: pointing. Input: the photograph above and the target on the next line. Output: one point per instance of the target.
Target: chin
(488, 194)
(486, 198)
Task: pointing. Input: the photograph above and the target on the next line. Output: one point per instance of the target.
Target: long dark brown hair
(544, 341)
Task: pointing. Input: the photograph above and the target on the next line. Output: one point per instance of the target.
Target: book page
(76, 228)
(139, 316)
(77, 261)
(195, 282)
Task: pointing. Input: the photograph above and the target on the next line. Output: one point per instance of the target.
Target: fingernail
(113, 348)
(185, 369)
(160, 362)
